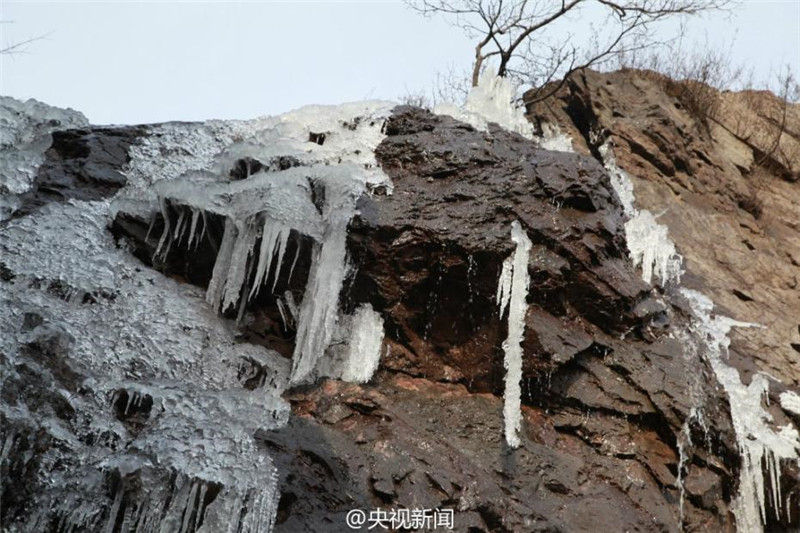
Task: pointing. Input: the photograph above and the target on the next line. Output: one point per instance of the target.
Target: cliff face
(727, 189)
(633, 411)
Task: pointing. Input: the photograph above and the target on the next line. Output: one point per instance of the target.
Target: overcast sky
(134, 62)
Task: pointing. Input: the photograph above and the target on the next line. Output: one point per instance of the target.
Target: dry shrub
(694, 78)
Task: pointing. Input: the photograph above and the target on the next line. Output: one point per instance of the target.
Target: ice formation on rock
(648, 241)
(759, 441)
(512, 294)
(790, 402)
(364, 349)
(554, 139)
(492, 100)
(163, 395)
(761, 445)
(298, 174)
(25, 129)
(149, 376)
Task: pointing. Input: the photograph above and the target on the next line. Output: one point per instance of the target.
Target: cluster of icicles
(262, 214)
(759, 442)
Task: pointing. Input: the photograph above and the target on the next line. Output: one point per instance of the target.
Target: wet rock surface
(607, 382)
(605, 388)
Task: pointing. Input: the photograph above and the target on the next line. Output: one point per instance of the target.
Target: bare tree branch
(522, 34)
(20, 46)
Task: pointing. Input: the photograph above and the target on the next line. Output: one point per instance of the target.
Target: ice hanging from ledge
(648, 241)
(304, 174)
(512, 294)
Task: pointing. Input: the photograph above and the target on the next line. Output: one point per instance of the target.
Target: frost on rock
(492, 100)
(512, 294)
(762, 445)
(25, 129)
(125, 380)
(364, 349)
(292, 176)
(648, 241)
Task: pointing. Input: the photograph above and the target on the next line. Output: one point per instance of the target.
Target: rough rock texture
(604, 386)
(608, 384)
(713, 175)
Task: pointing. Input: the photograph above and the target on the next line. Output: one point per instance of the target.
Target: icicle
(651, 248)
(364, 351)
(294, 262)
(283, 236)
(150, 227)
(321, 300)
(684, 441)
(504, 284)
(165, 233)
(190, 508)
(237, 270)
(513, 292)
(112, 515)
(289, 299)
(193, 227)
(221, 266)
(648, 242)
(282, 311)
(179, 226)
(205, 227)
(200, 499)
(244, 299)
(273, 243)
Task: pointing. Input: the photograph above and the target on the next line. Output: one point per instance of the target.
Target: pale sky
(136, 62)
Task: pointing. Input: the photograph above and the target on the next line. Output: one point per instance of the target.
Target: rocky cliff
(192, 314)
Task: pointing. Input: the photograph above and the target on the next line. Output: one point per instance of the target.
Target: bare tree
(19, 46)
(530, 39)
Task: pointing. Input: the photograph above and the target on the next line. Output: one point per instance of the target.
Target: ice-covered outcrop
(25, 129)
(127, 387)
(298, 175)
(762, 445)
(152, 401)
